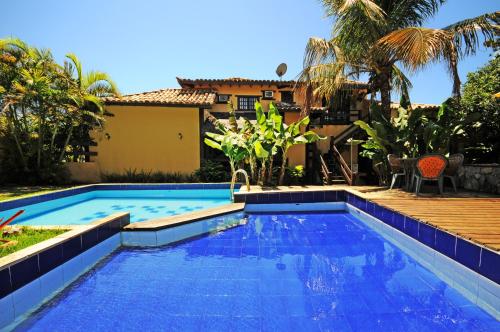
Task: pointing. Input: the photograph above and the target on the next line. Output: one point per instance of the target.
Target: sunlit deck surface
(473, 216)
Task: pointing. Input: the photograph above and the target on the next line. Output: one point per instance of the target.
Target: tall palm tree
(377, 36)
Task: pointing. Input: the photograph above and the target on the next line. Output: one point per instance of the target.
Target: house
(163, 130)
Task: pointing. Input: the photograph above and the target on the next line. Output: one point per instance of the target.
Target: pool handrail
(233, 180)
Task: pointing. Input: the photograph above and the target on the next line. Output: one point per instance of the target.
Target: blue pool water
(142, 205)
(279, 272)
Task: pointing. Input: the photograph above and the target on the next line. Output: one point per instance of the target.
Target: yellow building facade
(163, 130)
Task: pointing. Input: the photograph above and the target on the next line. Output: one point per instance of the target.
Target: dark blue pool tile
(273, 198)
(370, 208)
(72, 247)
(445, 243)
(104, 232)
(341, 195)
(319, 196)
(468, 254)
(427, 235)
(297, 197)
(331, 196)
(387, 216)
(252, 199)
(263, 198)
(490, 265)
(90, 239)
(349, 198)
(308, 196)
(285, 197)
(24, 272)
(50, 258)
(399, 221)
(5, 284)
(239, 198)
(411, 227)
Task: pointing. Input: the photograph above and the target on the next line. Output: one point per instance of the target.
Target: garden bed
(28, 236)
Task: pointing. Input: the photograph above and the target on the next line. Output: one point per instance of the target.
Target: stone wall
(484, 177)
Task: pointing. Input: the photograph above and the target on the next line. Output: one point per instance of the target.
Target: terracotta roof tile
(186, 97)
(187, 82)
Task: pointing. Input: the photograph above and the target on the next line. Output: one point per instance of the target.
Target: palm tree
(84, 98)
(375, 37)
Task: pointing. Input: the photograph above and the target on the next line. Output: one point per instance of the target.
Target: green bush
(142, 176)
(212, 171)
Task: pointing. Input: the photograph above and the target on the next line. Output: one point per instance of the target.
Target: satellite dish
(281, 70)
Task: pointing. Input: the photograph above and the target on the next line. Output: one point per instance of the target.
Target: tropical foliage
(259, 144)
(379, 38)
(47, 110)
(479, 96)
(413, 133)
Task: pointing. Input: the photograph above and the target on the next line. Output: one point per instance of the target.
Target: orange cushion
(431, 166)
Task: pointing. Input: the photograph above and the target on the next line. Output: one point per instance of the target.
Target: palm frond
(77, 65)
(368, 8)
(415, 47)
(100, 84)
(467, 33)
(400, 82)
(403, 14)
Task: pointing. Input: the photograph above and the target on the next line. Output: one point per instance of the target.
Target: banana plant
(232, 144)
(265, 145)
(290, 135)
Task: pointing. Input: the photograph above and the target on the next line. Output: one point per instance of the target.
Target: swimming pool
(290, 272)
(83, 208)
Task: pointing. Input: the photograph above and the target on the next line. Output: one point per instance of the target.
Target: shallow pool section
(142, 205)
(279, 272)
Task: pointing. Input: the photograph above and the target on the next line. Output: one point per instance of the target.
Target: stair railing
(349, 175)
(324, 170)
(233, 181)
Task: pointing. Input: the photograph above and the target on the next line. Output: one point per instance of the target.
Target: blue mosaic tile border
(85, 189)
(30, 268)
(477, 258)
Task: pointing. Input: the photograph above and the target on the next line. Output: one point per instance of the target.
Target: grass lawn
(25, 191)
(28, 237)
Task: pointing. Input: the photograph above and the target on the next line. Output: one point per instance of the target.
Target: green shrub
(213, 171)
(295, 175)
(142, 176)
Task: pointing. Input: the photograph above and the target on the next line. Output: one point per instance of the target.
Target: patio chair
(455, 161)
(396, 168)
(430, 168)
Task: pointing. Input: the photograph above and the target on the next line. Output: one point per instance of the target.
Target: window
(287, 97)
(247, 103)
(223, 99)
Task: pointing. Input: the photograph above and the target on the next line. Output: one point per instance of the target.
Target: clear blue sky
(145, 44)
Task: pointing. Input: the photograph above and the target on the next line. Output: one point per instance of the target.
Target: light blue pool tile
(164, 236)
(143, 239)
(6, 311)
(27, 298)
(72, 269)
(489, 301)
(51, 281)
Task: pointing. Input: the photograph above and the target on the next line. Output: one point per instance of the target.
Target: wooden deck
(473, 216)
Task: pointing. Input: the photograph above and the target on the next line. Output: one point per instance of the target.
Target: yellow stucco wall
(147, 138)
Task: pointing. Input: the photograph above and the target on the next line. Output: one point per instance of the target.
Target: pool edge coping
(182, 219)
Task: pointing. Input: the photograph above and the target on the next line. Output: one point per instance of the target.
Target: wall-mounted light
(180, 135)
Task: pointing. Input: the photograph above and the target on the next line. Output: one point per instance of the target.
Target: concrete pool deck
(470, 215)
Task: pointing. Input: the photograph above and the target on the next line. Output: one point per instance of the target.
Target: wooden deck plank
(473, 218)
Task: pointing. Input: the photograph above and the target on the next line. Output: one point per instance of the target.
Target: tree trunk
(282, 169)
(63, 150)
(262, 176)
(385, 95)
(270, 171)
